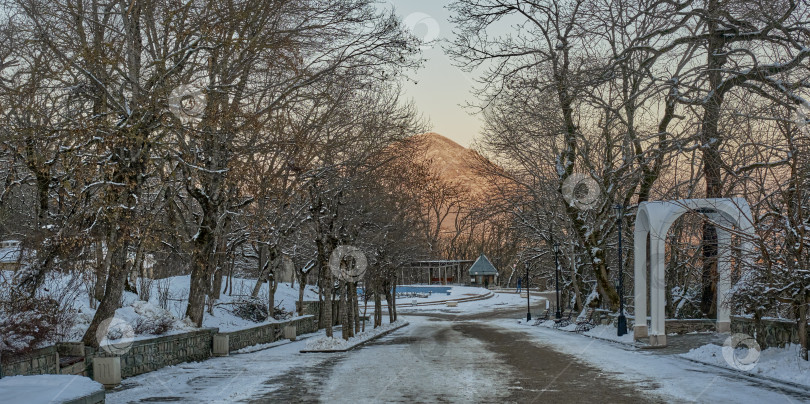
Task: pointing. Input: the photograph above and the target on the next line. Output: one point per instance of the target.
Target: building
(482, 272)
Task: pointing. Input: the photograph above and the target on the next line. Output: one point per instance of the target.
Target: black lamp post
(528, 304)
(557, 313)
(622, 320)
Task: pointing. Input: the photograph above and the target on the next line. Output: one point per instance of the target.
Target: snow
(46, 388)
(776, 363)
(229, 379)
(138, 319)
(497, 301)
(424, 363)
(456, 292)
(666, 374)
(608, 332)
(419, 370)
(339, 344)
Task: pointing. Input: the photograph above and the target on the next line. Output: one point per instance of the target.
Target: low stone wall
(310, 307)
(768, 333)
(37, 362)
(267, 333)
(685, 326)
(314, 308)
(151, 354)
(155, 353)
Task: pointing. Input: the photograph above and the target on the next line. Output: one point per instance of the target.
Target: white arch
(654, 220)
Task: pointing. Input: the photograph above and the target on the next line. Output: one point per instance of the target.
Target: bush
(153, 326)
(251, 309)
(27, 323)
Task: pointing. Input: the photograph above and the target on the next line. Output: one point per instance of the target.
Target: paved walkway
(453, 358)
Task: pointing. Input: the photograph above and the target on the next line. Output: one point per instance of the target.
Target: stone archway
(654, 220)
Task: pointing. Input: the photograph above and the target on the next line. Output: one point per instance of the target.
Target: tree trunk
(272, 285)
(712, 161)
(200, 283)
(390, 302)
(343, 312)
(355, 309)
(802, 317)
(350, 313)
(326, 309)
(394, 300)
(219, 267)
(302, 286)
(377, 309)
(709, 271)
(263, 265)
(114, 289)
(101, 274)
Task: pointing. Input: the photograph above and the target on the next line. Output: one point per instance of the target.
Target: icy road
(452, 358)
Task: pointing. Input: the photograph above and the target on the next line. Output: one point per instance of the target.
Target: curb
(246, 350)
(441, 302)
(760, 378)
(636, 346)
(355, 345)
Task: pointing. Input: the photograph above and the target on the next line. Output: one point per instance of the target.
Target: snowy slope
(132, 320)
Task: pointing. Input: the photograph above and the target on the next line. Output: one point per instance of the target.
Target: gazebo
(482, 272)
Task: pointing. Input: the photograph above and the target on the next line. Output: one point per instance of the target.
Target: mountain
(453, 162)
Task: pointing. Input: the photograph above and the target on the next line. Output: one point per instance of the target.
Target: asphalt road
(452, 360)
(446, 358)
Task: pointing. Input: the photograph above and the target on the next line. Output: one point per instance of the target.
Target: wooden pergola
(430, 272)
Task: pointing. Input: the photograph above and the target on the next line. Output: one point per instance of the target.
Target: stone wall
(310, 307)
(267, 333)
(152, 354)
(314, 308)
(155, 353)
(37, 362)
(768, 333)
(685, 326)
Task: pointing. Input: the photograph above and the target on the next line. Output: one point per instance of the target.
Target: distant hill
(454, 163)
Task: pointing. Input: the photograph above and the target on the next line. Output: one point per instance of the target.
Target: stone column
(658, 335)
(107, 370)
(221, 345)
(723, 280)
(640, 284)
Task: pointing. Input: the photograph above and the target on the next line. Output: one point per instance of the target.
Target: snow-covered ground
(669, 375)
(230, 379)
(778, 363)
(456, 292)
(497, 301)
(607, 332)
(337, 344)
(46, 388)
(163, 313)
(386, 372)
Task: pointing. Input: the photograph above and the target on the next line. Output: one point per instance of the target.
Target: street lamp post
(622, 320)
(557, 313)
(528, 304)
